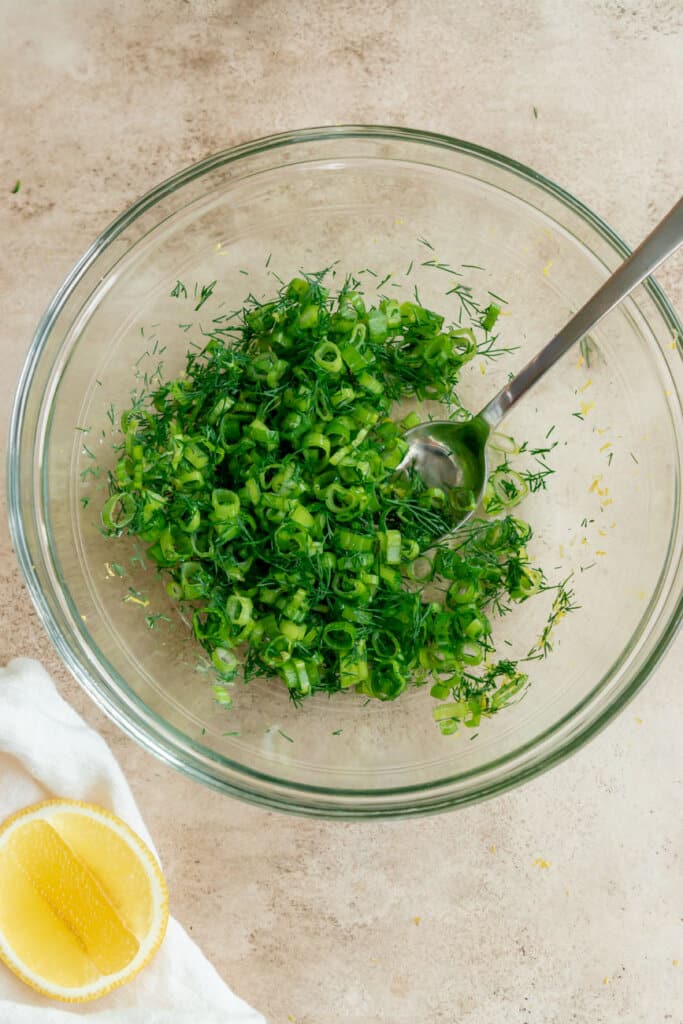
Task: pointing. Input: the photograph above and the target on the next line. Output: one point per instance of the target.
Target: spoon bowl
(452, 457)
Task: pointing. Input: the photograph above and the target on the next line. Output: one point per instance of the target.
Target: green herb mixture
(264, 482)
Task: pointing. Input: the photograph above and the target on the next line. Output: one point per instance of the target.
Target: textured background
(447, 919)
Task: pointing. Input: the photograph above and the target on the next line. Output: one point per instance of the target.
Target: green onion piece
(491, 314)
(238, 609)
(225, 662)
(353, 668)
(390, 546)
(347, 540)
(118, 511)
(339, 636)
(328, 357)
(226, 503)
(316, 448)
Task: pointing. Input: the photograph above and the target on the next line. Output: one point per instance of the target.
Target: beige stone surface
(451, 919)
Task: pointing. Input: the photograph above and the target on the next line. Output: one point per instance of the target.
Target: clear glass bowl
(611, 515)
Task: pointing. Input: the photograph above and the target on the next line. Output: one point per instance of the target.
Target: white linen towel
(47, 750)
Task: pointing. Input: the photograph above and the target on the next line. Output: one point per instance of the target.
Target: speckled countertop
(562, 901)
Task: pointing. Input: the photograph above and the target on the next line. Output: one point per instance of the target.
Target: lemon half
(83, 902)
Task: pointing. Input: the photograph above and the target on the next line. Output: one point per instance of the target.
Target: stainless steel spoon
(453, 455)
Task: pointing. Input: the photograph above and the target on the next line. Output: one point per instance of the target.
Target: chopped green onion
(264, 482)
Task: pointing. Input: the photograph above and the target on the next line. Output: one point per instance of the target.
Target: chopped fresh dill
(589, 350)
(435, 265)
(563, 603)
(179, 290)
(263, 482)
(152, 621)
(205, 294)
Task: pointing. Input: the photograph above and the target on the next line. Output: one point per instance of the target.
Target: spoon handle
(660, 243)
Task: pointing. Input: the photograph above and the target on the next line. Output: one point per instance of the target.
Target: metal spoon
(453, 455)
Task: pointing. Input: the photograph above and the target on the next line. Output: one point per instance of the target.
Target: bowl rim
(425, 798)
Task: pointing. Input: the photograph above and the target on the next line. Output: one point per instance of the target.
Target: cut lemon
(83, 902)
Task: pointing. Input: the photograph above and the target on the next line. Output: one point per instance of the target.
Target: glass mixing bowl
(363, 198)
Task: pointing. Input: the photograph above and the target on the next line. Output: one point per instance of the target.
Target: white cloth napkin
(47, 750)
